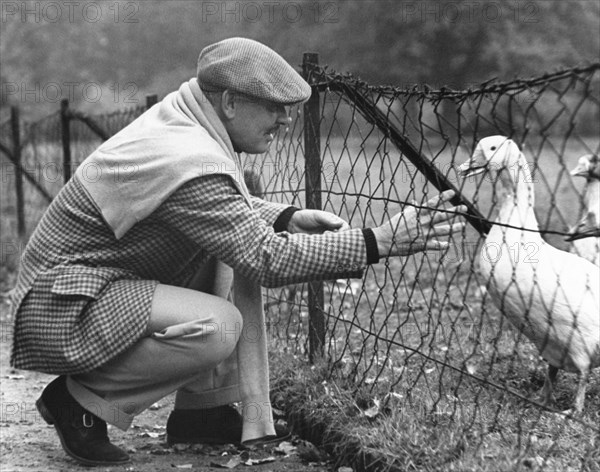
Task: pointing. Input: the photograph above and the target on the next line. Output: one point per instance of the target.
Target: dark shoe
(220, 425)
(82, 434)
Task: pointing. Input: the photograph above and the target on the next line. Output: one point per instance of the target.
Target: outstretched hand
(316, 222)
(415, 230)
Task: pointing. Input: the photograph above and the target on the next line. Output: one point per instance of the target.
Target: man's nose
(283, 119)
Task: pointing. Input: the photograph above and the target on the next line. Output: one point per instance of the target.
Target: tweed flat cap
(249, 67)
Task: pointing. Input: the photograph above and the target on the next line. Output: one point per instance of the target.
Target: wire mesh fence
(427, 337)
(41, 166)
(456, 337)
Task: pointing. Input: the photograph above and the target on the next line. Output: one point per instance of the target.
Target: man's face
(254, 123)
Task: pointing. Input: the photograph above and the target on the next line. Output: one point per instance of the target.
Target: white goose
(585, 236)
(551, 296)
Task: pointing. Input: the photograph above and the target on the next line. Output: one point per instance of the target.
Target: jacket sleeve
(210, 212)
(269, 211)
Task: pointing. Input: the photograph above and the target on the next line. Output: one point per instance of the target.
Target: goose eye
(493, 148)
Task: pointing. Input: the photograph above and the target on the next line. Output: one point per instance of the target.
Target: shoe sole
(268, 441)
(49, 418)
(172, 440)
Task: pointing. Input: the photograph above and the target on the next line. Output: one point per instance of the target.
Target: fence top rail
(41, 121)
(325, 78)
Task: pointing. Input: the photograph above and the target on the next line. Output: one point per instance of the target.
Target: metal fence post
(151, 100)
(312, 156)
(65, 119)
(16, 138)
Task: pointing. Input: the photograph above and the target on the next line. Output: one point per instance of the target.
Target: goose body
(585, 236)
(551, 296)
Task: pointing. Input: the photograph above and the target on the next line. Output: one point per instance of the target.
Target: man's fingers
(440, 199)
(446, 230)
(441, 216)
(331, 221)
(435, 245)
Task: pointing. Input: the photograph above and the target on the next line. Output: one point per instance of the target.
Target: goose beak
(585, 229)
(581, 170)
(474, 166)
(590, 233)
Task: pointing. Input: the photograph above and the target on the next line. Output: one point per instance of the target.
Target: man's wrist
(382, 247)
(282, 221)
(371, 245)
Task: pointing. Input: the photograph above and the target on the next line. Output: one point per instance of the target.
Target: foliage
(150, 47)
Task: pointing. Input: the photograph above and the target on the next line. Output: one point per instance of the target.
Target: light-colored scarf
(132, 173)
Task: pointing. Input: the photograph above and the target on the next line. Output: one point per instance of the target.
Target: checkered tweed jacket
(83, 296)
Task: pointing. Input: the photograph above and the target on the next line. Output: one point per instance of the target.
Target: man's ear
(228, 104)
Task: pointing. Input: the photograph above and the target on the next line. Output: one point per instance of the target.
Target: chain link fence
(424, 337)
(38, 157)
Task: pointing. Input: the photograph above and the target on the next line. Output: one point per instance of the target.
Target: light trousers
(194, 357)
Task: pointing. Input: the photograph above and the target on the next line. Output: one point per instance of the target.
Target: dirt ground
(28, 444)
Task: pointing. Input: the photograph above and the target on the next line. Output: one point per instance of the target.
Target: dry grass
(477, 428)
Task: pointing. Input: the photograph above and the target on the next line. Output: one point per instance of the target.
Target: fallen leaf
(394, 395)
(150, 434)
(260, 461)
(285, 448)
(180, 447)
(230, 464)
(182, 466)
(308, 452)
(160, 452)
(373, 411)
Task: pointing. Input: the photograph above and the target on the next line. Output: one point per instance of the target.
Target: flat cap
(249, 67)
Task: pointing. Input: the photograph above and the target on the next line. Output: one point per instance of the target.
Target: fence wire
(427, 338)
(41, 158)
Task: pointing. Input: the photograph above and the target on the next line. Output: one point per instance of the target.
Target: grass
(475, 428)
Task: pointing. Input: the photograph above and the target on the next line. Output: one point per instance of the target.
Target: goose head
(588, 166)
(501, 159)
(491, 155)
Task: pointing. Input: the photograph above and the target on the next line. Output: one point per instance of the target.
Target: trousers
(189, 347)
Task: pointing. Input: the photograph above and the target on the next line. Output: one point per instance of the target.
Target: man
(143, 277)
